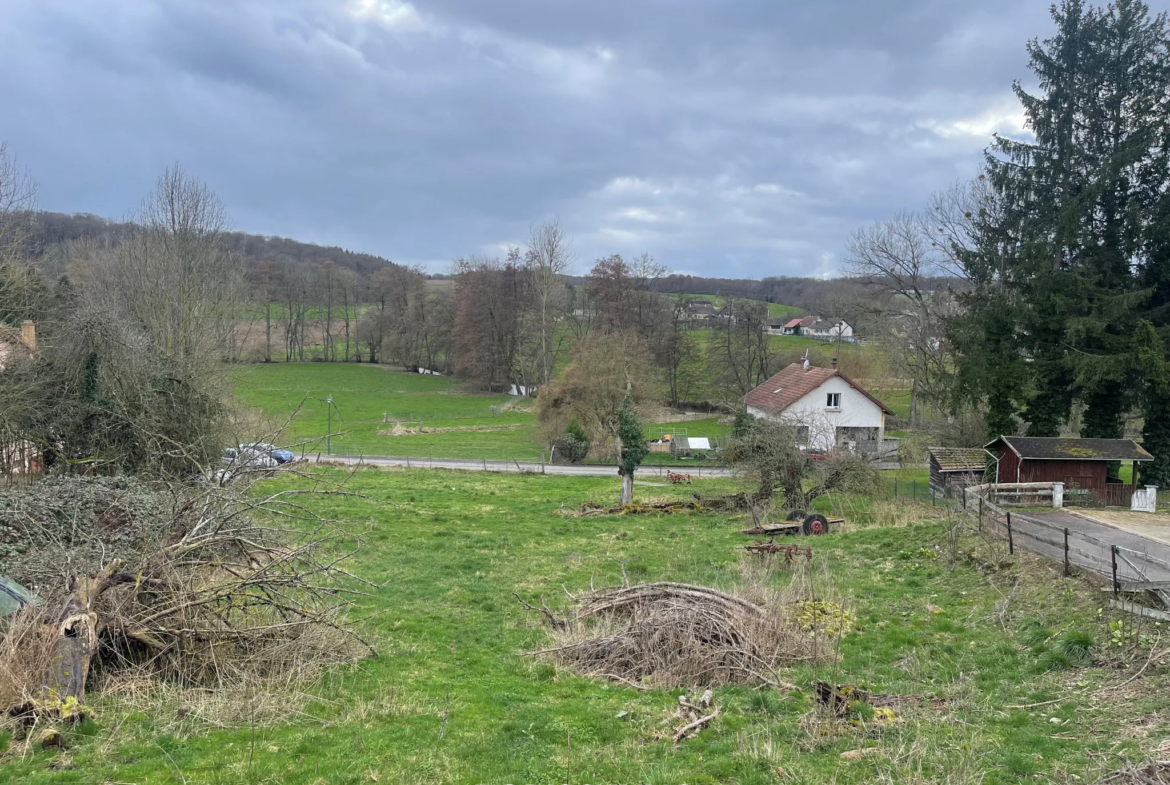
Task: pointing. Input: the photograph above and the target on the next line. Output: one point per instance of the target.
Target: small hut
(954, 468)
(1081, 464)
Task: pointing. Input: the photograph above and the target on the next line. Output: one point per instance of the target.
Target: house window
(802, 434)
(834, 401)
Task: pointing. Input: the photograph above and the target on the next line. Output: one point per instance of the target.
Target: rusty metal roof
(960, 459)
(793, 383)
(1037, 448)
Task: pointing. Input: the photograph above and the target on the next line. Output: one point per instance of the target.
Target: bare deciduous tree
(19, 283)
(174, 276)
(549, 257)
(909, 267)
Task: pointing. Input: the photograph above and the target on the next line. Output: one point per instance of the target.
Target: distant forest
(56, 232)
(53, 231)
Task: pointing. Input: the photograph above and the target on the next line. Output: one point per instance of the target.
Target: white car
(249, 457)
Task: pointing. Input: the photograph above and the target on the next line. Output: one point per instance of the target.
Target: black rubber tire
(796, 515)
(815, 525)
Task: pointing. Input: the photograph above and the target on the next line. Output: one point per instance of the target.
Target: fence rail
(1124, 568)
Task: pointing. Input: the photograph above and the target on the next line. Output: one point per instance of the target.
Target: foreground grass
(451, 699)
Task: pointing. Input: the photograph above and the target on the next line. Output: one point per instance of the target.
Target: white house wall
(856, 411)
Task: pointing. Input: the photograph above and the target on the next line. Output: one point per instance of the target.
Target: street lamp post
(328, 423)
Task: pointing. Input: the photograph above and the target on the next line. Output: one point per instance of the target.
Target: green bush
(575, 430)
(573, 445)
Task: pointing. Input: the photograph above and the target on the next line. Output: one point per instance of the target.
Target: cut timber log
(63, 692)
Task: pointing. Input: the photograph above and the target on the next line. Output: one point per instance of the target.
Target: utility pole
(328, 422)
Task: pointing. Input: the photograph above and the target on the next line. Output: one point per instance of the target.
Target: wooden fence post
(1067, 566)
(1011, 542)
(1116, 585)
(980, 513)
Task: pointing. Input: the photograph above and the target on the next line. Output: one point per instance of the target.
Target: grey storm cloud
(724, 137)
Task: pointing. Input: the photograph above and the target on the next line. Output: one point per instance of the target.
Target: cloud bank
(744, 138)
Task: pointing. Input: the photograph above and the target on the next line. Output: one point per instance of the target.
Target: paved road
(515, 467)
(1090, 543)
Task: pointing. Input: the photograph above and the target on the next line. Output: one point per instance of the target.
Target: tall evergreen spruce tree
(1076, 246)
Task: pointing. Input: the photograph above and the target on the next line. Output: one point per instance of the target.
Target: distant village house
(813, 327)
(701, 309)
(18, 457)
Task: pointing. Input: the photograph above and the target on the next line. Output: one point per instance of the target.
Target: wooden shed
(1081, 464)
(955, 468)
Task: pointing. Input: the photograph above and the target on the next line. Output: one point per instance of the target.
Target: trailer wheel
(796, 515)
(815, 525)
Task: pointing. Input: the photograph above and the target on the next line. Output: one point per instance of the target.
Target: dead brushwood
(593, 510)
(681, 635)
(1155, 773)
(232, 585)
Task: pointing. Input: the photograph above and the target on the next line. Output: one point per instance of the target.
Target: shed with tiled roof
(953, 468)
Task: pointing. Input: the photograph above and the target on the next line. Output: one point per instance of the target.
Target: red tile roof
(793, 383)
(795, 322)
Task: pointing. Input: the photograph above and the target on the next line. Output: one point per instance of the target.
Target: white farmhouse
(828, 409)
(828, 330)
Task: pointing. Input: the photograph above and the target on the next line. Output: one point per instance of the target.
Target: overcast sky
(738, 138)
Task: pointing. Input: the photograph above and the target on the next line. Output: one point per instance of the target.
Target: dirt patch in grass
(402, 430)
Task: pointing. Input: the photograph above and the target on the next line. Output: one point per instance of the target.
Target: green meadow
(465, 424)
(1016, 656)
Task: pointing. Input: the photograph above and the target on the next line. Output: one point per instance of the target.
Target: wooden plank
(1139, 610)
(1145, 585)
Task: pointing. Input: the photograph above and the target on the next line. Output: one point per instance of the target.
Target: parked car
(279, 455)
(249, 457)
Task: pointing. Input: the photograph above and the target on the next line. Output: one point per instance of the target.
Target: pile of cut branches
(219, 586)
(681, 635)
(593, 510)
(1156, 773)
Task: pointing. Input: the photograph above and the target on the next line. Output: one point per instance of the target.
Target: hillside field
(452, 699)
(469, 425)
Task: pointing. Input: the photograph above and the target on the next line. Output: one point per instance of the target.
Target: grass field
(451, 699)
(775, 310)
(468, 425)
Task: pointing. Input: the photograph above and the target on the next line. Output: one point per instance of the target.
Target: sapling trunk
(627, 489)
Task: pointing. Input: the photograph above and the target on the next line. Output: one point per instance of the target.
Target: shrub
(570, 448)
(574, 429)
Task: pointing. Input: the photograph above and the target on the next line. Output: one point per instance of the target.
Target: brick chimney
(28, 335)
(834, 363)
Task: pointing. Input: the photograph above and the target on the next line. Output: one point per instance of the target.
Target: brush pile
(681, 635)
(1156, 773)
(593, 510)
(210, 586)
